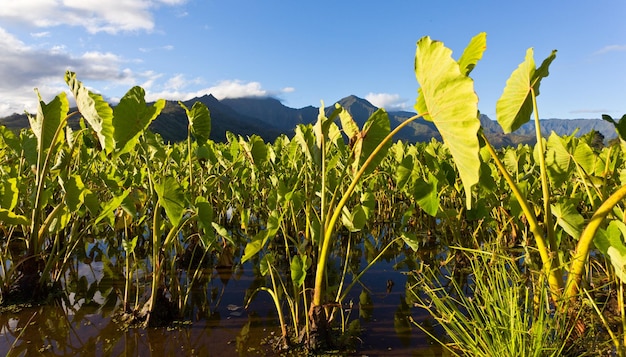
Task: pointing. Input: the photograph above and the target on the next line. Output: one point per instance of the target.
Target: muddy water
(84, 326)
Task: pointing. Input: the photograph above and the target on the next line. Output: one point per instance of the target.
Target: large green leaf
(259, 240)
(611, 244)
(349, 126)
(375, 129)
(568, 218)
(425, 194)
(199, 118)
(299, 267)
(473, 53)
(172, 198)
(205, 220)
(74, 192)
(108, 209)
(9, 200)
(620, 126)
(94, 109)
(403, 172)
(558, 159)
(48, 119)
(468, 60)
(451, 102)
(515, 106)
(131, 117)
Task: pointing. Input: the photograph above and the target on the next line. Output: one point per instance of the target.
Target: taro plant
(446, 96)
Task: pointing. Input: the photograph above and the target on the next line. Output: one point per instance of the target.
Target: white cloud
(237, 89)
(40, 34)
(589, 111)
(174, 89)
(611, 48)
(177, 88)
(387, 101)
(163, 48)
(110, 16)
(23, 68)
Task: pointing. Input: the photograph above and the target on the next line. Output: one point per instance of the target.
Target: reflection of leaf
(129, 246)
(366, 305)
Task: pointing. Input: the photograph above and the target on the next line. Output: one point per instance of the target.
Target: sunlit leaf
(205, 220)
(258, 241)
(11, 218)
(411, 240)
(611, 244)
(299, 267)
(48, 119)
(425, 194)
(375, 129)
(108, 209)
(348, 125)
(172, 198)
(450, 100)
(199, 118)
(473, 53)
(129, 245)
(131, 117)
(515, 106)
(94, 109)
(568, 218)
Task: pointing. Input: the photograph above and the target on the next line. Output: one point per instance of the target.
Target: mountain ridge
(268, 118)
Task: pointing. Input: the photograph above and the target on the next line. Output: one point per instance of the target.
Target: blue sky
(306, 51)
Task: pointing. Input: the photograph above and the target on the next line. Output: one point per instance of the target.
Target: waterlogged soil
(88, 327)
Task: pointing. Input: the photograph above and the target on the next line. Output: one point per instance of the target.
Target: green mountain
(269, 118)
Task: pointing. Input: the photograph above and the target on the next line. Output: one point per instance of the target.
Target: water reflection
(85, 320)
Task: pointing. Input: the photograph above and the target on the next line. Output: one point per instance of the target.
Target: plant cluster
(94, 185)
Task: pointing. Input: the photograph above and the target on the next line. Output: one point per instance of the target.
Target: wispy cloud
(180, 88)
(40, 34)
(610, 48)
(162, 48)
(590, 111)
(388, 101)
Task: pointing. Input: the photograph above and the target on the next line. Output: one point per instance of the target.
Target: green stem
(556, 284)
(328, 228)
(579, 259)
(43, 166)
(545, 189)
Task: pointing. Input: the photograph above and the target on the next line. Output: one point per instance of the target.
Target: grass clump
(491, 308)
